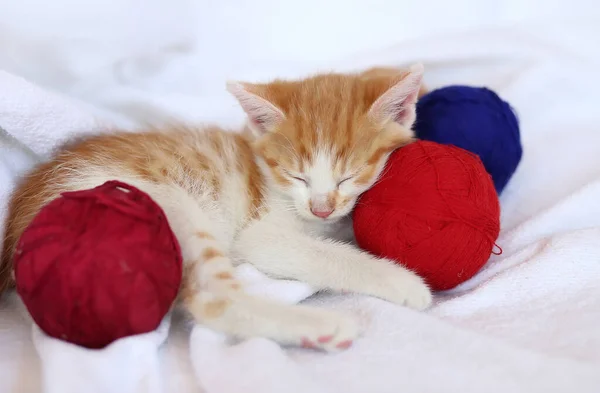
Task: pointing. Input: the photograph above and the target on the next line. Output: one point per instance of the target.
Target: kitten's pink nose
(321, 212)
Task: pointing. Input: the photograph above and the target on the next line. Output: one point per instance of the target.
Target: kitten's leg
(288, 253)
(215, 298)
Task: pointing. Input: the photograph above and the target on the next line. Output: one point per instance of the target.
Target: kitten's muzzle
(321, 206)
(321, 213)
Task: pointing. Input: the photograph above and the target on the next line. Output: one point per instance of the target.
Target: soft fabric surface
(528, 322)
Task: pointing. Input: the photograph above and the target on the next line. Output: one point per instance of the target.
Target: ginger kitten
(277, 198)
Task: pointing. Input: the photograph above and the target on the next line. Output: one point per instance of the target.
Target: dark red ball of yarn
(98, 265)
(435, 210)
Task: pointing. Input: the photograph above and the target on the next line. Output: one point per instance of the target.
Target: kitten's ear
(398, 103)
(263, 115)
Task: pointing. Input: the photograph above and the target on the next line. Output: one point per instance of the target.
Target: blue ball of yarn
(475, 119)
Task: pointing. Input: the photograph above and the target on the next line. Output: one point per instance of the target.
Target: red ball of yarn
(435, 210)
(98, 265)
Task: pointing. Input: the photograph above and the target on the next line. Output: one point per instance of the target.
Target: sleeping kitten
(275, 198)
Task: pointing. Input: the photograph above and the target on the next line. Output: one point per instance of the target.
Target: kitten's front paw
(402, 286)
(417, 293)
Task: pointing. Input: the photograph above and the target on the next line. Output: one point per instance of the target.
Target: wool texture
(97, 265)
(434, 210)
(475, 119)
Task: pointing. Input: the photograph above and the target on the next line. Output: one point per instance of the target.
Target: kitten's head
(324, 140)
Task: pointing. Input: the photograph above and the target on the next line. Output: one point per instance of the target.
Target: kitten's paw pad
(344, 344)
(324, 339)
(334, 333)
(306, 343)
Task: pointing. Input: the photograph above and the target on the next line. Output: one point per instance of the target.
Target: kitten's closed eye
(300, 179)
(344, 180)
(297, 177)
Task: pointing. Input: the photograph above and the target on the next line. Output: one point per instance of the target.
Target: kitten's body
(230, 197)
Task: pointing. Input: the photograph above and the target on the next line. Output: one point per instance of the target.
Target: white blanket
(529, 322)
